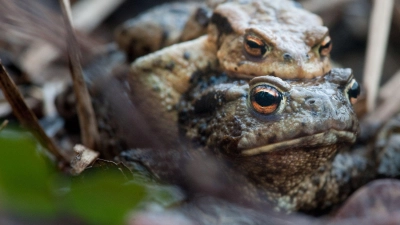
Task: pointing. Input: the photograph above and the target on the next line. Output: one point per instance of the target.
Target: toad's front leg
(162, 26)
(332, 183)
(387, 147)
(156, 82)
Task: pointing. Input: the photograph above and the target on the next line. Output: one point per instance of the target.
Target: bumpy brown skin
(313, 172)
(161, 26)
(297, 154)
(157, 81)
(164, 75)
(292, 35)
(214, 114)
(387, 147)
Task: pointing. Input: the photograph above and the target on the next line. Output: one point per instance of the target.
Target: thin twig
(385, 111)
(88, 14)
(3, 125)
(390, 101)
(317, 6)
(391, 87)
(25, 115)
(376, 48)
(87, 119)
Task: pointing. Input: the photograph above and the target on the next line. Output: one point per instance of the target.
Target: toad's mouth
(329, 137)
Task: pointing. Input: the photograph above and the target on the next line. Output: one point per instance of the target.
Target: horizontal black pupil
(354, 91)
(264, 98)
(253, 44)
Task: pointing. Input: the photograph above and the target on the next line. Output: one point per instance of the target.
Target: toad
(288, 137)
(291, 140)
(288, 131)
(249, 38)
(245, 39)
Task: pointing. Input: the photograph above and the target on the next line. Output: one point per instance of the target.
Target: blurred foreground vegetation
(33, 189)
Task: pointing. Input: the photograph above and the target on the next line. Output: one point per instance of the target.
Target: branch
(376, 49)
(87, 119)
(25, 115)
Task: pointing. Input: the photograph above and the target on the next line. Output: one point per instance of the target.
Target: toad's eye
(353, 91)
(326, 46)
(254, 46)
(265, 99)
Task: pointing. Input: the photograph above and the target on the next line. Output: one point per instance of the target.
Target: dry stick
(385, 111)
(86, 14)
(87, 119)
(319, 6)
(390, 101)
(25, 115)
(376, 48)
(3, 125)
(391, 87)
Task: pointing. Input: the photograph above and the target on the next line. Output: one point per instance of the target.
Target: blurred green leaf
(103, 198)
(30, 186)
(24, 175)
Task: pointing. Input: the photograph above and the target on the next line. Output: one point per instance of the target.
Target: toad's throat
(329, 137)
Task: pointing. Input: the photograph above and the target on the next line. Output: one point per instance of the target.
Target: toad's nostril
(287, 57)
(312, 102)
